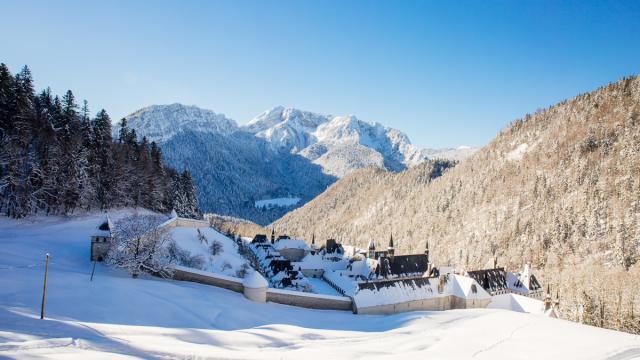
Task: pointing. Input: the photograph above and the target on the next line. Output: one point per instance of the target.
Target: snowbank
(115, 316)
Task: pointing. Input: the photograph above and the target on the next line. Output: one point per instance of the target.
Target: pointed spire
(426, 251)
(391, 241)
(313, 239)
(273, 236)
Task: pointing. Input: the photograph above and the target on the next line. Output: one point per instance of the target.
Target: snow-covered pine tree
(102, 159)
(192, 210)
(54, 159)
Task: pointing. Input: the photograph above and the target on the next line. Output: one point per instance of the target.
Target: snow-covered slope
(160, 123)
(115, 316)
(286, 129)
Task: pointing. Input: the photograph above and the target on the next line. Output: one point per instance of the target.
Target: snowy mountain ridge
(334, 142)
(281, 152)
(320, 137)
(160, 123)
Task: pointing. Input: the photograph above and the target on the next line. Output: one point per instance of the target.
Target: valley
(281, 152)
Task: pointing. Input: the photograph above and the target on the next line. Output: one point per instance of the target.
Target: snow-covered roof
(524, 281)
(310, 262)
(291, 244)
(255, 280)
(395, 291)
(467, 288)
(363, 267)
(104, 228)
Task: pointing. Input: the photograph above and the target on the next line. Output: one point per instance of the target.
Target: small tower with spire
(390, 248)
(313, 244)
(426, 251)
(273, 236)
(372, 250)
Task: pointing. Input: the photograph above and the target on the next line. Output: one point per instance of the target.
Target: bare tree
(139, 244)
(216, 247)
(203, 239)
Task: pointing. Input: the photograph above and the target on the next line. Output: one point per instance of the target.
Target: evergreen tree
(54, 159)
(191, 208)
(124, 131)
(6, 82)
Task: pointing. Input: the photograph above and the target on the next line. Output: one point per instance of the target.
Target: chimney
(547, 298)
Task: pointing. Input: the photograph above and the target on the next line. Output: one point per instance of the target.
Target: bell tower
(390, 249)
(426, 251)
(372, 250)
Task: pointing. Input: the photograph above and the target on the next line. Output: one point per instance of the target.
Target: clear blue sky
(447, 73)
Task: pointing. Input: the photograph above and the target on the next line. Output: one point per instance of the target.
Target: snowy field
(115, 316)
(277, 202)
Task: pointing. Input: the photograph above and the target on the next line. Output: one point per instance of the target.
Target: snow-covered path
(118, 317)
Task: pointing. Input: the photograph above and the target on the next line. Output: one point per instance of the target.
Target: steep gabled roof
(402, 265)
(491, 280)
(379, 285)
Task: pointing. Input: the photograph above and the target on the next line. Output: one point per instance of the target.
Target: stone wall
(287, 297)
(225, 282)
(292, 254)
(460, 303)
(182, 222)
(99, 250)
(307, 300)
(439, 303)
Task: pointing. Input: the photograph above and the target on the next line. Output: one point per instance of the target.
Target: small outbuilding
(100, 239)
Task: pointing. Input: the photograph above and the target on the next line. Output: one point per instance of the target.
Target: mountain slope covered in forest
(558, 189)
(283, 152)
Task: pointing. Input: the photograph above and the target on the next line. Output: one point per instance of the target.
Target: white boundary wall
(286, 297)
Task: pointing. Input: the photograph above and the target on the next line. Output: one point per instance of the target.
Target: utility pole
(94, 269)
(44, 289)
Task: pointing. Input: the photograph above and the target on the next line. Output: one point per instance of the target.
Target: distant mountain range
(283, 152)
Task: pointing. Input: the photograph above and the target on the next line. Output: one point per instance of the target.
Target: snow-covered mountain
(283, 152)
(160, 123)
(340, 144)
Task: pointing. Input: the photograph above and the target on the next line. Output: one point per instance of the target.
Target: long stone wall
(287, 297)
(182, 222)
(224, 282)
(439, 303)
(307, 300)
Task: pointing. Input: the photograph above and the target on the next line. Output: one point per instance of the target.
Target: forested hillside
(281, 153)
(234, 171)
(57, 159)
(559, 189)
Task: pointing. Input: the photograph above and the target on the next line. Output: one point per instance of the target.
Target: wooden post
(44, 289)
(94, 269)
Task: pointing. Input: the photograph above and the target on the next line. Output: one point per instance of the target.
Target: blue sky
(447, 73)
